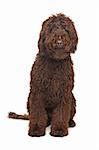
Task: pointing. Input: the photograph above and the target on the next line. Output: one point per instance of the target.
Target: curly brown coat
(51, 101)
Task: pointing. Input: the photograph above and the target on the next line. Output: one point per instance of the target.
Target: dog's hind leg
(73, 111)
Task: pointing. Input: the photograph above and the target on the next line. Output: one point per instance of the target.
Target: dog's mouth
(58, 45)
(61, 51)
(58, 52)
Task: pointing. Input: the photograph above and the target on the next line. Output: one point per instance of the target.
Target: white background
(20, 24)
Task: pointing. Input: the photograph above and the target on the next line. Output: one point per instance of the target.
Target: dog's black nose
(59, 43)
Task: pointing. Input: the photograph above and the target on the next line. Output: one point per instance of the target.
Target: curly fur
(51, 101)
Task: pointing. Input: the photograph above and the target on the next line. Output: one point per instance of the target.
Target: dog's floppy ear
(41, 41)
(42, 36)
(69, 26)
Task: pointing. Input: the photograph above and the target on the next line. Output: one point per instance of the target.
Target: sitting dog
(51, 101)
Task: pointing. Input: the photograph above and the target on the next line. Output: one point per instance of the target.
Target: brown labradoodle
(51, 101)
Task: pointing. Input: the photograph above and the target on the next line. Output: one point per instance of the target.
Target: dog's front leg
(37, 116)
(60, 119)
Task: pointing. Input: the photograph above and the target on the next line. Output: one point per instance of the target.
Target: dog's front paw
(36, 132)
(59, 133)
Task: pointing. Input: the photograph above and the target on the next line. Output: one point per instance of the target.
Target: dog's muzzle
(59, 44)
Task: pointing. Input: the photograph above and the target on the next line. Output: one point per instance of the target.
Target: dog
(51, 100)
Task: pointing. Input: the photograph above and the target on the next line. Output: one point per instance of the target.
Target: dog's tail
(17, 116)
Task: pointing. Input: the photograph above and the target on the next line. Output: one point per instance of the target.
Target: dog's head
(58, 37)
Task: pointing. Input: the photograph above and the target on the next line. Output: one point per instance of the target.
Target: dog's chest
(54, 84)
(54, 78)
